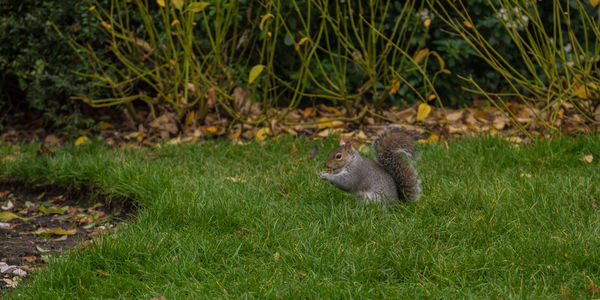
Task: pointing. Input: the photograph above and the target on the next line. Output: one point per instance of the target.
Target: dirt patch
(38, 222)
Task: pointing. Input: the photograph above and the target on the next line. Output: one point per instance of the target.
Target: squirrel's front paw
(324, 174)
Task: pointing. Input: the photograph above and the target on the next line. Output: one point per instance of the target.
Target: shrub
(36, 62)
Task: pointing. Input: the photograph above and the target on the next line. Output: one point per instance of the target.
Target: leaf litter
(46, 221)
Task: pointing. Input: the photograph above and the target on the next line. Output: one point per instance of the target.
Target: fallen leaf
(423, 111)
(327, 123)
(276, 256)
(262, 133)
(427, 22)
(5, 225)
(51, 140)
(6, 216)
(587, 158)
(29, 258)
(56, 231)
(234, 179)
(592, 288)
(11, 283)
(434, 138)
(526, 175)
(309, 112)
(161, 3)
(81, 140)
(40, 249)
(19, 272)
(102, 272)
(106, 126)
(53, 210)
(8, 158)
(9, 205)
(294, 150)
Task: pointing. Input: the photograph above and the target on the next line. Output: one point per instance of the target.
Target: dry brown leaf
(235, 179)
(52, 140)
(29, 258)
(587, 158)
(103, 273)
(294, 150)
(242, 100)
(592, 288)
(454, 116)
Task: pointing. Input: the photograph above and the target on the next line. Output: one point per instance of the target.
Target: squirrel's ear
(348, 147)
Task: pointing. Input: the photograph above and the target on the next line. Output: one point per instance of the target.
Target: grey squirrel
(391, 178)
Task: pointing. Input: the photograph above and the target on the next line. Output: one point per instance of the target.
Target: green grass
(480, 230)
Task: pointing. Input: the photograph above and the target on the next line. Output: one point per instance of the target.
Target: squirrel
(391, 178)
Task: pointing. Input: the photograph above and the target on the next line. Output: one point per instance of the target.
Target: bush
(36, 62)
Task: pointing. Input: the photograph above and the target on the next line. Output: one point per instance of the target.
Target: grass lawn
(495, 220)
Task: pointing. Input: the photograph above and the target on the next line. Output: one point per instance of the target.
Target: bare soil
(44, 211)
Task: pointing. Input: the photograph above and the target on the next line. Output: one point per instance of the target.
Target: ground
(51, 219)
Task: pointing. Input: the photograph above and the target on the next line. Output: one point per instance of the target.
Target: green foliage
(215, 222)
(35, 61)
(556, 47)
(190, 57)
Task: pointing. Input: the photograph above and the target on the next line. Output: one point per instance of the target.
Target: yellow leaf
(432, 139)
(81, 140)
(57, 231)
(189, 118)
(588, 158)
(431, 97)
(177, 3)
(594, 3)
(526, 175)
(106, 126)
(6, 216)
(446, 71)
(161, 3)
(423, 111)
(212, 129)
(468, 24)
(105, 25)
(395, 86)
(263, 19)
(198, 6)
(254, 72)
(421, 54)
(440, 60)
(175, 22)
(582, 91)
(262, 133)
(141, 136)
(300, 42)
(309, 112)
(427, 22)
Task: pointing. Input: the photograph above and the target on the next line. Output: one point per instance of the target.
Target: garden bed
(39, 222)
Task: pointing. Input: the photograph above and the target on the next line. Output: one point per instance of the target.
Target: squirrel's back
(394, 151)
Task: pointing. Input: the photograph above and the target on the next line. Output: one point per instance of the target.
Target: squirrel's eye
(338, 156)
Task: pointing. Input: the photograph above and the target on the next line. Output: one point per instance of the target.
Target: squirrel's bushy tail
(394, 151)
